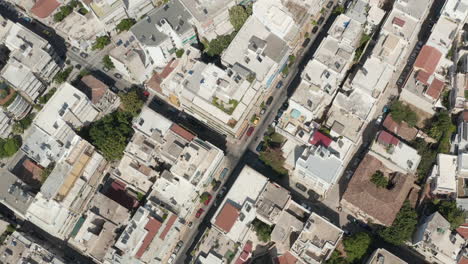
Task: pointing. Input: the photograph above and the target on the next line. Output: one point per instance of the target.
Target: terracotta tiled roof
(155, 81)
(463, 260)
(153, 227)
(98, 88)
(403, 129)
(227, 217)
(286, 258)
(465, 115)
(435, 89)
(387, 138)
(116, 192)
(168, 226)
(428, 59)
(463, 231)
(423, 77)
(378, 203)
(43, 8)
(245, 254)
(182, 132)
(320, 139)
(398, 21)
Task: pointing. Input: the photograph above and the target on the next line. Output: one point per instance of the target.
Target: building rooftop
(442, 35)
(260, 49)
(415, 8)
(320, 78)
(402, 129)
(227, 217)
(243, 195)
(317, 240)
(271, 202)
(373, 77)
(43, 8)
(428, 59)
(446, 171)
(334, 54)
(67, 109)
(389, 48)
(346, 30)
(206, 10)
(382, 256)
(358, 103)
(320, 162)
(42, 147)
(14, 193)
(391, 148)
(344, 123)
(379, 203)
(401, 24)
(277, 17)
(287, 226)
(109, 209)
(151, 123)
(151, 31)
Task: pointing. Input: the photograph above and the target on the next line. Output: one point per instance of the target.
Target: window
(259, 59)
(247, 60)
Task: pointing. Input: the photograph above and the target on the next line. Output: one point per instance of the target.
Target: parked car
(285, 105)
(279, 84)
(118, 75)
(379, 120)
(84, 55)
(329, 4)
(386, 109)
(306, 206)
(315, 29)
(306, 42)
(274, 123)
(250, 131)
(222, 191)
(269, 100)
(260, 146)
(262, 112)
(199, 213)
(223, 173)
(216, 185)
(75, 49)
(208, 200)
(171, 259)
(301, 187)
(320, 20)
(280, 113)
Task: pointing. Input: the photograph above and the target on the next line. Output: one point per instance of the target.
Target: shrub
(379, 179)
(101, 42)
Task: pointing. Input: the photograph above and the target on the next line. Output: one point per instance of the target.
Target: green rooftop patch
(229, 108)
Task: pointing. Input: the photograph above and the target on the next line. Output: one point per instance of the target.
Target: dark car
(118, 75)
(250, 131)
(280, 113)
(329, 4)
(75, 49)
(306, 42)
(78, 66)
(279, 84)
(301, 187)
(285, 105)
(260, 146)
(315, 29)
(269, 100)
(320, 21)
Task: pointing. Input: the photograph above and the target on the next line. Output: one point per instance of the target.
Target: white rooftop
(346, 30)
(447, 171)
(149, 121)
(414, 8)
(274, 15)
(401, 24)
(357, 103)
(442, 35)
(373, 77)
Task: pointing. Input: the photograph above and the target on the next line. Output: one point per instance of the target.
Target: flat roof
(447, 171)
(321, 163)
(14, 193)
(173, 13)
(382, 256)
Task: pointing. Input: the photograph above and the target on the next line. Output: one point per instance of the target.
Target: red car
(199, 212)
(207, 202)
(250, 131)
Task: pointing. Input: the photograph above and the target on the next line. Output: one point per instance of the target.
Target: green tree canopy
(107, 62)
(455, 215)
(216, 46)
(379, 179)
(179, 53)
(356, 246)
(262, 230)
(132, 101)
(401, 112)
(237, 16)
(62, 76)
(125, 24)
(110, 134)
(101, 42)
(403, 226)
(441, 123)
(9, 146)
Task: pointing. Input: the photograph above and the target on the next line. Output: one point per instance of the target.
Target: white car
(379, 120)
